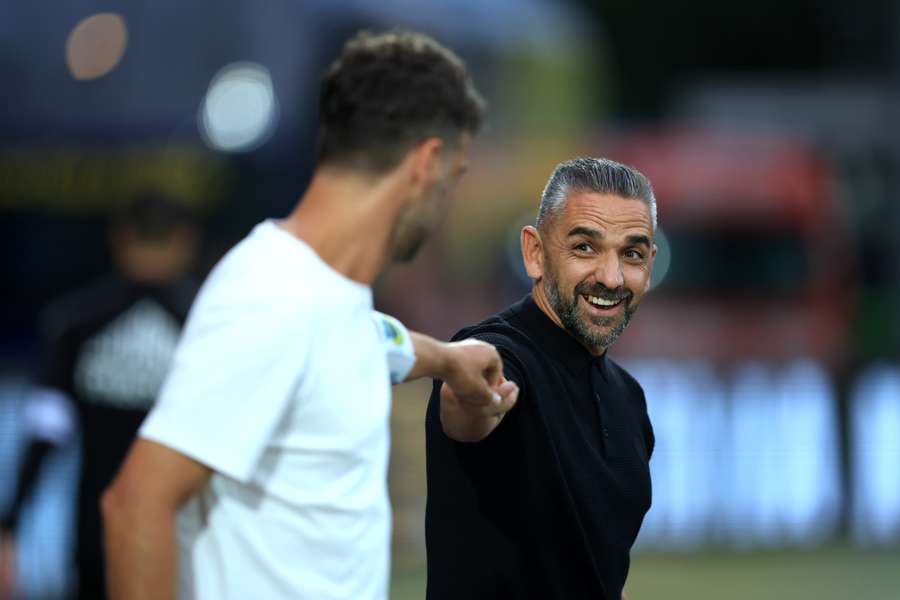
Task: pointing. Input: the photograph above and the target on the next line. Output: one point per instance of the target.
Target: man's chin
(597, 324)
(601, 331)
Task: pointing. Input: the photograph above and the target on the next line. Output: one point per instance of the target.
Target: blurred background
(769, 349)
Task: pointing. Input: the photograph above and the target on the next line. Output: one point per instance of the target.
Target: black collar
(556, 341)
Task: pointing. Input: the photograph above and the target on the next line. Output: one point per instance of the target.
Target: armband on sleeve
(397, 344)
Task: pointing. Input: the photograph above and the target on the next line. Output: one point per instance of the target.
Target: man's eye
(633, 254)
(583, 247)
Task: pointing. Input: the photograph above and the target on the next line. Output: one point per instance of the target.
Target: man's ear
(532, 252)
(425, 162)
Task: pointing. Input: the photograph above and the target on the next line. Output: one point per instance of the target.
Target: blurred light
(240, 110)
(875, 421)
(663, 258)
(96, 45)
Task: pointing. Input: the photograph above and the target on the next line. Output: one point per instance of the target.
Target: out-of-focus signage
(78, 179)
(751, 457)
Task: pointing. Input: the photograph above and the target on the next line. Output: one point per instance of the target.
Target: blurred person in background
(271, 433)
(546, 500)
(105, 349)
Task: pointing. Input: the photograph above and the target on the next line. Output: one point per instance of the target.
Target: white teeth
(602, 301)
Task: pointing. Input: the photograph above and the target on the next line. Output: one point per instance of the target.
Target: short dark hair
(387, 92)
(153, 216)
(601, 175)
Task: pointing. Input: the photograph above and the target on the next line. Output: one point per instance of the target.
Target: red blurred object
(761, 263)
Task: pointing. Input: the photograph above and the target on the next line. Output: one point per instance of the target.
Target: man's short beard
(408, 235)
(406, 243)
(415, 224)
(567, 311)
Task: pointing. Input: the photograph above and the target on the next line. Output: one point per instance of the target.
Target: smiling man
(546, 500)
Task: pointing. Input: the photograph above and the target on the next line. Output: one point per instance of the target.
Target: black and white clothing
(105, 350)
(549, 504)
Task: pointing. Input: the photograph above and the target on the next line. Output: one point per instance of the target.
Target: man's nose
(608, 270)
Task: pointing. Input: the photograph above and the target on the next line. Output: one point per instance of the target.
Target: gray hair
(600, 175)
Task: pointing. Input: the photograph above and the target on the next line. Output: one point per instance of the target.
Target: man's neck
(543, 303)
(347, 220)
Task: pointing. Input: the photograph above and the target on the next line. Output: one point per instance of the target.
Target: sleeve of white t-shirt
(233, 377)
(397, 345)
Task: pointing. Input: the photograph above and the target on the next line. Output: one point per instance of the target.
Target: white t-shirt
(280, 384)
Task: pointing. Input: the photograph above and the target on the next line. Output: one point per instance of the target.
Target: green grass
(832, 573)
(408, 584)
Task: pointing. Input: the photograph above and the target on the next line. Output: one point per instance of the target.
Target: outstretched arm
(139, 511)
(477, 395)
(471, 368)
(465, 420)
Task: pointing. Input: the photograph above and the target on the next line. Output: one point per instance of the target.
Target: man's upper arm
(397, 343)
(56, 354)
(512, 371)
(512, 366)
(153, 472)
(234, 377)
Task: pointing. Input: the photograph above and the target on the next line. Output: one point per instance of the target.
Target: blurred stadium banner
(79, 179)
(751, 458)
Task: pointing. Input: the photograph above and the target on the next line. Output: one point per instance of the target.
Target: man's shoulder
(506, 331)
(500, 325)
(250, 261)
(84, 304)
(262, 270)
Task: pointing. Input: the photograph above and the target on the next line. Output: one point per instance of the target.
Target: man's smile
(602, 306)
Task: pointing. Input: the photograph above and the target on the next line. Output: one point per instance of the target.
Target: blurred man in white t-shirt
(270, 437)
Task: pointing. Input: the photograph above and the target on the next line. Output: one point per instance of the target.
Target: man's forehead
(610, 211)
